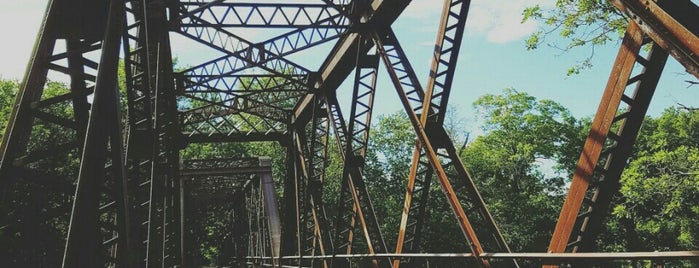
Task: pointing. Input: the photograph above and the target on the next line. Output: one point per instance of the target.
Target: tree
(388, 164)
(517, 164)
(521, 133)
(19, 199)
(660, 186)
(8, 89)
(581, 24)
(660, 192)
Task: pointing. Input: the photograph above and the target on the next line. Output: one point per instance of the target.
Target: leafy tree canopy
(579, 24)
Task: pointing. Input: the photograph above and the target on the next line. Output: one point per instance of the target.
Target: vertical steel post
(271, 210)
(290, 226)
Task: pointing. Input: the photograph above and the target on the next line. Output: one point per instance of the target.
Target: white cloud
(499, 21)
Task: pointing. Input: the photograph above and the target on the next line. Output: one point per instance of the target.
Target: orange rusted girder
(671, 24)
(458, 20)
(465, 225)
(594, 143)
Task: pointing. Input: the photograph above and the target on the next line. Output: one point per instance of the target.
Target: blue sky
(493, 57)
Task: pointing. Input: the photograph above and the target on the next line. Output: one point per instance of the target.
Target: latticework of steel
(120, 196)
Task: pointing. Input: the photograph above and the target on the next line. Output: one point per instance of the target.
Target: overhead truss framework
(110, 189)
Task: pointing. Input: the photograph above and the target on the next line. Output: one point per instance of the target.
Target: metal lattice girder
(255, 92)
(433, 110)
(221, 184)
(259, 229)
(354, 204)
(213, 105)
(27, 157)
(341, 60)
(243, 55)
(439, 150)
(312, 230)
(306, 230)
(137, 67)
(267, 15)
(225, 122)
(240, 54)
(352, 141)
(671, 24)
(320, 234)
(32, 105)
(243, 83)
(261, 95)
(220, 166)
(299, 39)
(162, 228)
(445, 56)
(211, 74)
(80, 69)
(94, 217)
(362, 105)
(293, 181)
(153, 134)
(605, 153)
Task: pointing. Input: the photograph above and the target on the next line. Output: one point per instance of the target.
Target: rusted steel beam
(321, 233)
(447, 46)
(162, 233)
(579, 221)
(219, 171)
(671, 24)
(290, 227)
(663, 255)
(352, 142)
(20, 151)
(594, 143)
(444, 59)
(340, 62)
(600, 256)
(388, 41)
(354, 204)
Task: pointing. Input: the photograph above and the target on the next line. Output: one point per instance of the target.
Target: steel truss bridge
(120, 196)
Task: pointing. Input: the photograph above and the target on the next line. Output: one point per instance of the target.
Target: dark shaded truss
(83, 191)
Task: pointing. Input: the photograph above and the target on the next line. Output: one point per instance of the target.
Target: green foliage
(526, 128)
(393, 140)
(660, 193)
(520, 164)
(8, 90)
(584, 23)
(521, 133)
(660, 186)
(388, 162)
(61, 166)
